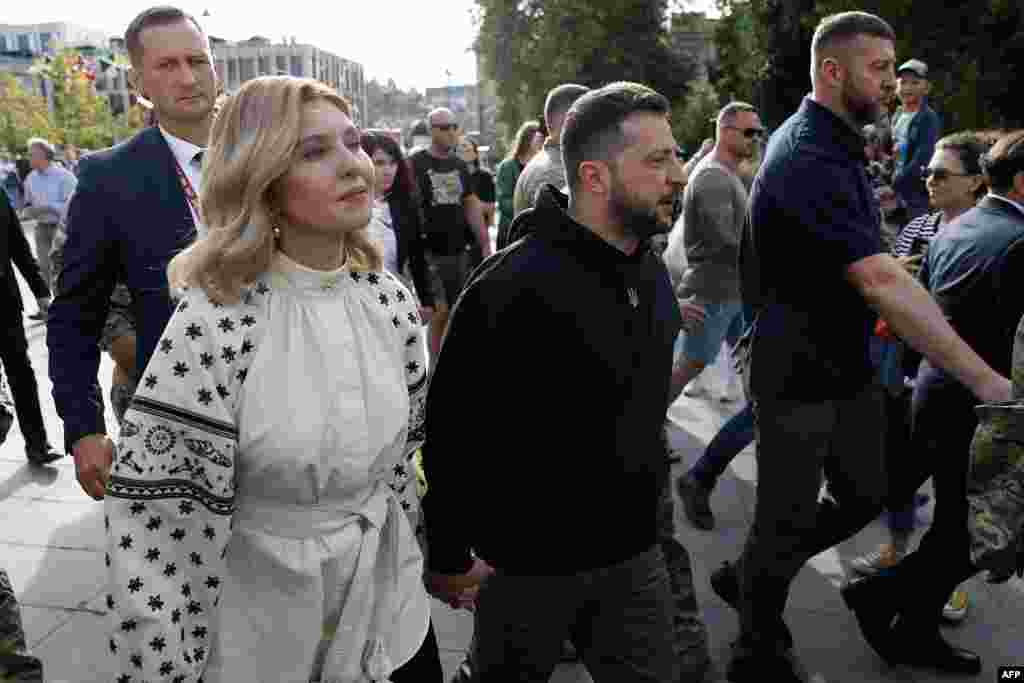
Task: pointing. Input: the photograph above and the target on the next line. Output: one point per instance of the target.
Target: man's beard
(862, 110)
(642, 221)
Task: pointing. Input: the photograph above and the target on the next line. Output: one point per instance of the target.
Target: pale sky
(412, 41)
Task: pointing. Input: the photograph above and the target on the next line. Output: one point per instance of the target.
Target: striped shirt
(918, 233)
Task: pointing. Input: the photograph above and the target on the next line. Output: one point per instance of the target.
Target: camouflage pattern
(995, 486)
(15, 664)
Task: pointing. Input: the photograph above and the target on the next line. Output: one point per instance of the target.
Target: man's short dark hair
(838, 29)
(560, 99)
(732, 110)
(593, 126)
(1004, 161)
(154, 16)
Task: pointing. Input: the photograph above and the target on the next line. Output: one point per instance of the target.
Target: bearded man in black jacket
(582, 316)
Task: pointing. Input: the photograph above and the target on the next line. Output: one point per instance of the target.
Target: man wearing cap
(915, 128)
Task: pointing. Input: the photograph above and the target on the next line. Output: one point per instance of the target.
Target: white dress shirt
(185, 153)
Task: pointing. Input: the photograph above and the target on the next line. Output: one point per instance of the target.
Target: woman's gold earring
(277, 232)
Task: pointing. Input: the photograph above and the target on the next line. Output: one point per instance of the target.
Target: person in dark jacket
(585, 281)
(15, 251)
(916, 128)
(397, 208)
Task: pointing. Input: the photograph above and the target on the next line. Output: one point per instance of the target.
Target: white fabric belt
(370, 610)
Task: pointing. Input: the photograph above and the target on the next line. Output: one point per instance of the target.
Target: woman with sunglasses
(955, 184)
(397, 222)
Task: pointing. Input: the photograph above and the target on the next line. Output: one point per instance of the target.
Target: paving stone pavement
(51, 537)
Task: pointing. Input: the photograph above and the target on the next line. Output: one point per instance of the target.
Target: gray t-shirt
(901, 141)
(543, 169)
(714, 209)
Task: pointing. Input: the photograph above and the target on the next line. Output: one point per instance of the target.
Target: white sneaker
(884, 557)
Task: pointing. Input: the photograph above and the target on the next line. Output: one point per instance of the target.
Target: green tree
(529, 46)
(81, 116)
(22, 115)
(695, 122)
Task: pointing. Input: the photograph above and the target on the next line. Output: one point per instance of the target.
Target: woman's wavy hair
(252, 146)
(524, 136)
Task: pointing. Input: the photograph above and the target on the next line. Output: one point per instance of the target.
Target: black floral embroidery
(246, 347)
(136, 661)
(154, 523)
(113, 646)
(151, 381)
(166, 345)
(170, 570)
(159, 440)
(206, 359)
(412, 367)
(413, 318)
(110, 602)
(126, 542)
(205, 396)
(226, 325)
(248, 321)
(178, 534)
(135, 585)
(180, 369)
(227, 354)
(383, 299)
(199, 632)
(399, 470)
(124, 678)
(356, 277)
(176, 616)
(222, 391)
(396, 321)
(158, 644)
(241, 375)
(153, 554)
(373, 278)
(196, 559)
(209, 532)
(212, 582)
(186, 507)
(129, 625)
(183, 306)
(411, 340)
(155, 602)
(166, 668)
(262, 288)
(193, 332)
(400, 296)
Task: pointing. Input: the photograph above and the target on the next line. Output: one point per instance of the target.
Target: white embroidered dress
(254, 520)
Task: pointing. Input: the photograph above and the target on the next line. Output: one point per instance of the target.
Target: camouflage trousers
(15, 665)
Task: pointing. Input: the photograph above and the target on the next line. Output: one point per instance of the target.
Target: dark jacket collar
(549, 220)
(832, 132)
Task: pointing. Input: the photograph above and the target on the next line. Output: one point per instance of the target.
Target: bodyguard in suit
(14, 251)
(134, 209)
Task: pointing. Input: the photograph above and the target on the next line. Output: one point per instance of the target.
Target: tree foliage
(81, 115)
(975, 52)
(22, 115)
(528, 47)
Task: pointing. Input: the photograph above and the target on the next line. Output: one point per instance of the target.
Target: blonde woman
(252, 531)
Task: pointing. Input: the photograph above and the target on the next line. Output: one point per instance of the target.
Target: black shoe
(6, 420)
(925, 647)
(875, 614)
(725, 581)
(758, 664)
(696, 502)
(42, 456)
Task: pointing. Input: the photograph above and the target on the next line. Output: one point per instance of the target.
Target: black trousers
(21, 378)
(942, 427)
(425, 665)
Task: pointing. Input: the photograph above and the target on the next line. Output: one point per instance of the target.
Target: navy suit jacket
(14, 250)
(128, 217)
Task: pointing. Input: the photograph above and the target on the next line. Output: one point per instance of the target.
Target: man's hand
(912, 264)
(94, 455)
(693, 314)
(459, 590)
(997, 390)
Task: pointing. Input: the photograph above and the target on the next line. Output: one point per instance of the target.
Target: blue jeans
(720, 321)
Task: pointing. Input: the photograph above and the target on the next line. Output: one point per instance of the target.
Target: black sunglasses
(446, 126)
(749, 133)
(940, 174)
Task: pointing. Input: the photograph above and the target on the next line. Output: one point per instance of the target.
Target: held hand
(94, 455)
(459, 590)
(997, 390)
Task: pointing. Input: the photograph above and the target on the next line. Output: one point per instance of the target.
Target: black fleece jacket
(545, 411)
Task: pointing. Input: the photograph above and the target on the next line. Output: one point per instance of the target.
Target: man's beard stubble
(643, 222)
(862, 110)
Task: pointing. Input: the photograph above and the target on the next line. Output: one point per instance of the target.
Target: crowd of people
(334, 401)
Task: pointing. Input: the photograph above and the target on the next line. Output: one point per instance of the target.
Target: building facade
(239, 62)
(47, 38)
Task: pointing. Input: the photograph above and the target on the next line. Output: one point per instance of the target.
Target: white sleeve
(171, 496)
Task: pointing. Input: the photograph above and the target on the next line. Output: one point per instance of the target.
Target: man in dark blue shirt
(811, 381)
